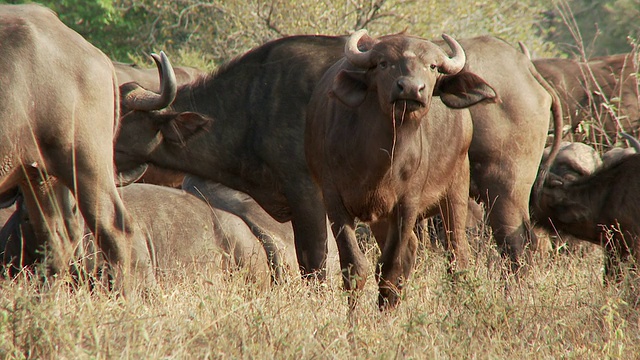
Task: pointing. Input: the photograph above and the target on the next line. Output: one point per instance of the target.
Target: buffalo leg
(454, 210)
(398, 256)
(104, 212)
(310, 231)
(352, 260)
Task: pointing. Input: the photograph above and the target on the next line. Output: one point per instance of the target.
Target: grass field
(559, 310)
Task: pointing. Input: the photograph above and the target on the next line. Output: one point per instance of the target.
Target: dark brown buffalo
(149, 79)
(599, 97)
(59, 113)
(243, 126)
(381, 146)
(601, 208)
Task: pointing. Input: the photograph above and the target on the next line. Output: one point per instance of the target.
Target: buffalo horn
(353, 54)
(455, 63)
(633, 142)
(147, 100)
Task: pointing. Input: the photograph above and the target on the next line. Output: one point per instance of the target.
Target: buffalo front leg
(398, 256)
(353, 263)
(310, 232)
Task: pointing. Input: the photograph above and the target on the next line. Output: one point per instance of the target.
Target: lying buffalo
(181, 233)
(601, 208)
(59, 113)
(380, 146)
(243, 126)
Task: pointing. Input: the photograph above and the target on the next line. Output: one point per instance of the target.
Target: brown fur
(59, 118)
(373, 160)
(598, 207)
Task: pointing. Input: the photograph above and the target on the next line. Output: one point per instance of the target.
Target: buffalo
(601, 208)
(182, 233)
(599, 97)
(59, 109)
(149, 79)
(380, 146)
(243, 126)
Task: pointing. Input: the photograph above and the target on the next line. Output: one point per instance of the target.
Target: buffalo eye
(383, 64)
(433, 66)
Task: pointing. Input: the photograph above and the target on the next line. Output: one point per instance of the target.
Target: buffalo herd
(281, 152)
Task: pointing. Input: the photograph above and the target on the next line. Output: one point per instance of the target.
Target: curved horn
(455, 63)
(353, 54)
(524, 49)
(633, 142)
(146, 100)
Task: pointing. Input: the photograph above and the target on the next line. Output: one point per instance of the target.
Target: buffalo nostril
(421, 88)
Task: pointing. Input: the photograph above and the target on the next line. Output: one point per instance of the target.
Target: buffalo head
(148, 120)
(404, 73)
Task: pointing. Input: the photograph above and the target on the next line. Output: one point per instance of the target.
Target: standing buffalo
(380, 146)
(243, 126)
(600, 97)
(149, 79)
(59, 113)
(508, 140)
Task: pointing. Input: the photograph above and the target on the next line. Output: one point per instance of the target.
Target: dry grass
(559, 310)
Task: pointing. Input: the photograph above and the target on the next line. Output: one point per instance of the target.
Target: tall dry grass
(559, 310)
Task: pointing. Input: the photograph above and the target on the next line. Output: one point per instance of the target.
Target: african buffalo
(59, 112)
(574, 160)
(601, 208)
(380, 146)
(149, 79)
(599, 97)
(243, 126)
(181, 233)
(508, 140)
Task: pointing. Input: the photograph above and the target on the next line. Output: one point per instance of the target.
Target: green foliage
(602, 27)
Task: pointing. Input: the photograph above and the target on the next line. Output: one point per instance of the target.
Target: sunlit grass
(560, 309)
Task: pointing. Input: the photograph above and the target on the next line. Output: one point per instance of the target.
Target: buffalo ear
(463, 90)
(129, 177)
(349, 87)
(183, 126)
